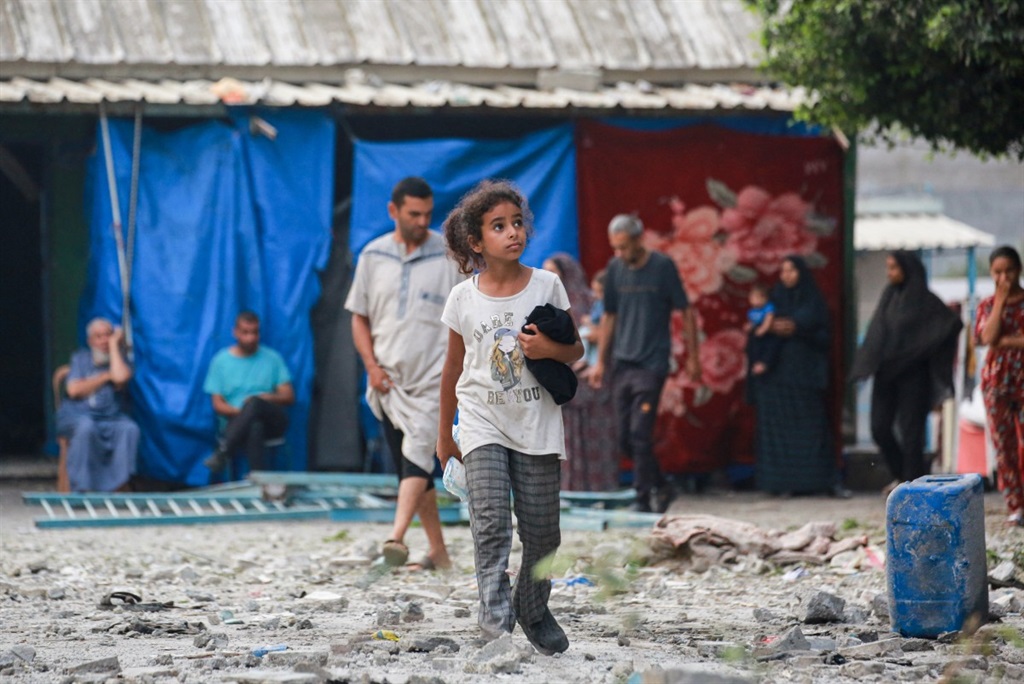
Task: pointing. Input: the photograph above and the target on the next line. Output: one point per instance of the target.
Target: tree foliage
(949, 71)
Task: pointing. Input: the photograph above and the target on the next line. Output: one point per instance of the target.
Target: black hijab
(804, 304)
(911, 325)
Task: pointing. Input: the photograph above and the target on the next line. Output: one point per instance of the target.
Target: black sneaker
(216, 461)
(546, 635)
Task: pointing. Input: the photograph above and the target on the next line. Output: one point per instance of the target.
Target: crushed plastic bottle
(454, 477)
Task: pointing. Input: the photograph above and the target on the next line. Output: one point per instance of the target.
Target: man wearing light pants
(401, 284)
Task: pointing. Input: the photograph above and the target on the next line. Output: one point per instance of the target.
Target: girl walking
(1000, 325)
(510, 428)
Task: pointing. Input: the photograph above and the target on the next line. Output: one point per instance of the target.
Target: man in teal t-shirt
(250, 386)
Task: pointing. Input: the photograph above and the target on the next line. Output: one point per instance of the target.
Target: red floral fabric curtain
(727, 207)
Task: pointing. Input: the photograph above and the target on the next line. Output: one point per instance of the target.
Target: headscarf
(911, 325)
(581, 297)
(803, 303)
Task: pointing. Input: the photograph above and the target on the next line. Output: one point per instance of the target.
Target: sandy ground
(313, 588)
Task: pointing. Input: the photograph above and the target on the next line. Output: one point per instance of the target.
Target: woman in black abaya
(794, 439)
(909, 349)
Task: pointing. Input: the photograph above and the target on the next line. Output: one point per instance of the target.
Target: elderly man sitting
(102, 440)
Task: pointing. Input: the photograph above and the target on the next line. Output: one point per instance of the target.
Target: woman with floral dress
(1000, 326)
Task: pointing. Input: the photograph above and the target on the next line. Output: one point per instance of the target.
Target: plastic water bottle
(454, 477)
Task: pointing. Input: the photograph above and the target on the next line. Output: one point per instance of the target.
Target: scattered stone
(855, 615)
(821, 606)
(1005, 574)
(792, 640)
(462, 612)
(294, 658)
(1007, 602)
(145, 675)
(55, 593)
(818, 643)
(188, 574)
(24, 653)
(861, 669)
(880, 607)
(445, 664)
(200, 596)
(916, 645)
(111, 664)
(412, 612)
(765, 615)
(430, 644)
(388, 615)
(874, 649)
(500, 656)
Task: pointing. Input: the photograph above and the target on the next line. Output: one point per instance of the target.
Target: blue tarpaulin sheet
(542, 164)
(226, 221)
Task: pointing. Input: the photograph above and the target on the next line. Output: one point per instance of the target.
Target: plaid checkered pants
(492, 471)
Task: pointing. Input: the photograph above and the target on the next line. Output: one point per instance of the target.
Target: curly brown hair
(464, 225)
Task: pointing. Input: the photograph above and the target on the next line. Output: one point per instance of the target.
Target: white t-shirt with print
(500, 401)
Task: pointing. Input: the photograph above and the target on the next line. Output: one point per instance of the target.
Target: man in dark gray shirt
(642, 289)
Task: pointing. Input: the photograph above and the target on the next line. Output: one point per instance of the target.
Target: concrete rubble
(298, 602)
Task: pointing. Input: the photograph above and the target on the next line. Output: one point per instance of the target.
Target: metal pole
(133, 198)
(115, 204)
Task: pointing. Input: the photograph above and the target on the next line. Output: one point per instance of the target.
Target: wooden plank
(698, 24)
(477, 44)
(44, 32)
(424, 30)
(665, 50)
(327, 32)
(188, 32)
(237, 35)
(140, 31)
(378, 40)
(567, 37)
(91, 32)
(524, 36)
(610, 30)
(283, 31)
(12, 47)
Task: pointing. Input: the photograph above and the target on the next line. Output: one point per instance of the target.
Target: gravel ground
(215, 593)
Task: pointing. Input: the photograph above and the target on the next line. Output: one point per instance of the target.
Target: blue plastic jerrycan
(935, 569)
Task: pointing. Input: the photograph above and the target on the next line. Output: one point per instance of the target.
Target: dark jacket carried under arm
(555, 376)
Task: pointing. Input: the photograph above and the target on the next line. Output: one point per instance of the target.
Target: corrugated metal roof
(884, 232)
(360, 91)
(489, 42)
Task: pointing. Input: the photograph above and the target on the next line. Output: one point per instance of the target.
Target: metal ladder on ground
(235, 502)
(340, 497)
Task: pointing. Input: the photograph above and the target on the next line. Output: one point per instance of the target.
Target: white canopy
(884, 232)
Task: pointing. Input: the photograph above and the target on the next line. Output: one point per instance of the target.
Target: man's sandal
(395, 553)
